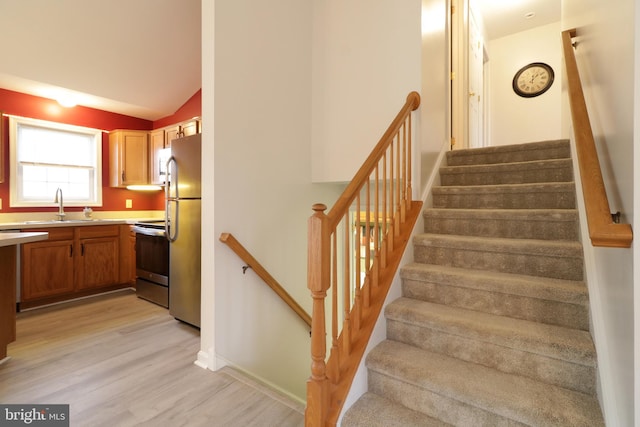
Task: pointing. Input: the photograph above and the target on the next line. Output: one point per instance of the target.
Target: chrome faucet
(58, 200)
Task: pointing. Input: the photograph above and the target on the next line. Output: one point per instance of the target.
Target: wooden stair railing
(244, 255)
(603, 231)
(354, 252)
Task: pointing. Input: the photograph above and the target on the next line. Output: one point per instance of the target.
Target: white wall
(366, 60)
(257, 185)
(513, 119)
(605, 55)
(435, 129)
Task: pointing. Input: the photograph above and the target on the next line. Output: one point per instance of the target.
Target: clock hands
(533, 77)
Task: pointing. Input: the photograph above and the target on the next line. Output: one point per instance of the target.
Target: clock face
(533, 80)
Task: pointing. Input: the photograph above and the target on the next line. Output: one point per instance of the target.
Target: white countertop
(13, 221)
(10, 239)
(25, 225)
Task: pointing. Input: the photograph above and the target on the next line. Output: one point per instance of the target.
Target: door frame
(459, 36)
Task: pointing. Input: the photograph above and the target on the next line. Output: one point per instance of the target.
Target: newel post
(318, 268)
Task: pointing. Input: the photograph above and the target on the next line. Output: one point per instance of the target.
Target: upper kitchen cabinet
(156, 159)
(160, 139)
(189, 127)
(128, 158)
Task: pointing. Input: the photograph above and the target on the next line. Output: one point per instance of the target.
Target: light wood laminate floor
(121, 361)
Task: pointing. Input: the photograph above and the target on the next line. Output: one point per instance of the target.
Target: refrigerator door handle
(172, 178)
(171, 224)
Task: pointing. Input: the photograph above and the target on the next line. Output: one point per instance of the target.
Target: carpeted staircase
(493, 326)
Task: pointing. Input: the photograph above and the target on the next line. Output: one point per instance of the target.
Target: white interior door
(476, 83)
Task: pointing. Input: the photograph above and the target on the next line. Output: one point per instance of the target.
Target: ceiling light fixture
(66, 101)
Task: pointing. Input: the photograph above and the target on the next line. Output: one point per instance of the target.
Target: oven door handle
(155, 232)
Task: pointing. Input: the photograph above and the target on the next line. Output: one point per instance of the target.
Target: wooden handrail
(349, 193)
(240, 250)
(354, 253)
(602, 230)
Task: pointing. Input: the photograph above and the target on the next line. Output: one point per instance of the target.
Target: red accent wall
(113, 199)
(192, 108)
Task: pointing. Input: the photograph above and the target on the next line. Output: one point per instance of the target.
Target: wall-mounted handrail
(603, 231)
(245, 256)
(354, 253)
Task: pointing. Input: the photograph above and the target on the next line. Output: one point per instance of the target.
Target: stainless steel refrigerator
(183, 213)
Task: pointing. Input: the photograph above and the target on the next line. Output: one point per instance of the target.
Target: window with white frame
(45, 156)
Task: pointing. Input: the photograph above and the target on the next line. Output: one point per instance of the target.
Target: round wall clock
(533, 79)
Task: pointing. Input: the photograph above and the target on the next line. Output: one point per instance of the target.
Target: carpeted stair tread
(523, 246)
(549, 224)
(553, 149)
(548, 340)
(554, 195)
(545, 300)
(408, 375)
(567, 291)
(550, 170)
(555, 259)
(523, 354)
(372, 410)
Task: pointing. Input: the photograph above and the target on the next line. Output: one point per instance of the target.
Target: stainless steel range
(152, 262)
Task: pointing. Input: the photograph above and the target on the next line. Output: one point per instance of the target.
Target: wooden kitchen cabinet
(160, 139)
(127, 255)
(171, 133)
(97, 263)
(47, 266)
(186, 128)
(189, 128)
(156, 160)
(73, 262)
(128, 158)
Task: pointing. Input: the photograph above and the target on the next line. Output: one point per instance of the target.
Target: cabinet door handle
(123, 180)
(71, 251)
(81, 249)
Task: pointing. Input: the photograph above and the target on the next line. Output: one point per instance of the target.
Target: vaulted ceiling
(136, 57)
(143, 57)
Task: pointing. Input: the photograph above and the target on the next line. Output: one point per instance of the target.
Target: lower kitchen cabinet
(47, 266)
(127, 255)
(97, 264)
(73, 262)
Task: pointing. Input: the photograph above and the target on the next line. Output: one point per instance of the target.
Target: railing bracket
(616, 217)
(245, 268)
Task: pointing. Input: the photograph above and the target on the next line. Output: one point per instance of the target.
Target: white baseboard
(265, 386)
(202, 360)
